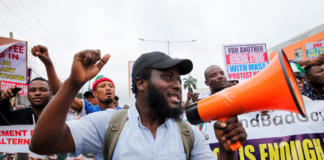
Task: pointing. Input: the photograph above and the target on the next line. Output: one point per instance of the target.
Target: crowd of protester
(157, 89)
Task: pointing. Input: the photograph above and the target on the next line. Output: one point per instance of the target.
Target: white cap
(294, 67)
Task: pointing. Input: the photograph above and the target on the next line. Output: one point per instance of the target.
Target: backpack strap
(187, 136)
(115, 127)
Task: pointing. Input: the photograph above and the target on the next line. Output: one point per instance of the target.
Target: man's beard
(108, 101)
(158, 103)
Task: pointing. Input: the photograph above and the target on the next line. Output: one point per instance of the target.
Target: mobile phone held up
(190, 90)
(15, 91)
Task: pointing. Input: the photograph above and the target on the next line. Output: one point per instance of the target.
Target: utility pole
(168, 42)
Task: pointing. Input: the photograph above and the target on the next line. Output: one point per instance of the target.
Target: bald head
(215, 78)
(211, 68)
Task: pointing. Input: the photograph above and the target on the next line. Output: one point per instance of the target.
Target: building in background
(295, 47)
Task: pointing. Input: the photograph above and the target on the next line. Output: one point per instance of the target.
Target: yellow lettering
(17, 77)
(248, 150)
(273, 152)
(299, 150)
(318, 149)
(22, 78)
(309, 153)
(13, 70)
(2, 69)
(284, 151)
(263, 154)
(241, 153)
(293, 150)
(216, 151)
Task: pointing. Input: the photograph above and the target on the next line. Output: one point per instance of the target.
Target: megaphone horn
(274, 88)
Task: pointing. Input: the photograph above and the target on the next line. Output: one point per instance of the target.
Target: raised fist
(42, 53)
(84, 65)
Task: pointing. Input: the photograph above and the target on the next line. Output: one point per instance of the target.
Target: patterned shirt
(311, 93)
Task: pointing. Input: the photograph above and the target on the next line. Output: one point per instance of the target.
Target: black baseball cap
(89, 92)
(160, 61)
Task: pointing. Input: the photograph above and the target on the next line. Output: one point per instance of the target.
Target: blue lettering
(264, 65)
(260, 66)
(240, 67)
(244, 67)
(251, 67)
(255, 66)
(233, 68)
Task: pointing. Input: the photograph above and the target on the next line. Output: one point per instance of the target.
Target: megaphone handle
(234, 146)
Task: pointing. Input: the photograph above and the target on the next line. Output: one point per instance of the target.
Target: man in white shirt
(150, 131)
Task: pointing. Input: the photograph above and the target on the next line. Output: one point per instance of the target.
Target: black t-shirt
(16, 117)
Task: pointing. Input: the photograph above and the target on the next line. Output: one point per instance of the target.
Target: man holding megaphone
(249, 96)
(153, 129)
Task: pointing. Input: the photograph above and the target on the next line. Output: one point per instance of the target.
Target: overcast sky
(115, 26)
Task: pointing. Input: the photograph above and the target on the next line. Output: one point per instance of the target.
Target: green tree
(190, 81)
(79, 95)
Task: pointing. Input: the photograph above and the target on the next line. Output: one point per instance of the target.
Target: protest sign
(13, 62)
(15, 138)
(314, 49)
(130, 70)
(6, 85)
(244, 61)
(280, 135)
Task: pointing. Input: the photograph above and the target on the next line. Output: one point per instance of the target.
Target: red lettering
(12, 133)
(26, 141)
(317, 45)
(18, 133)
(15, 56)
(10, 48)
(9, 139)
(4, 133)
(20, 141)
(14, 141)
(2, 55)
(15, 48)
(31, 132)
(254, 73)
(24, 131)
(21, 49)
(3, 142)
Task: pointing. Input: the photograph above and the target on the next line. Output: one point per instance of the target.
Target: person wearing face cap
(151, 127)
(88, 96)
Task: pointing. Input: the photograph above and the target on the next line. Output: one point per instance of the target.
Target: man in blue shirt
(116, 99)
(150, 131)
(88, 96)
(103, 90)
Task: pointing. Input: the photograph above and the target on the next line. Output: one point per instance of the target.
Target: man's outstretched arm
(42, 53)
(51, 134)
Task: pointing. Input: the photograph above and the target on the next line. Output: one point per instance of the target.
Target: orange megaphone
(274, 88)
